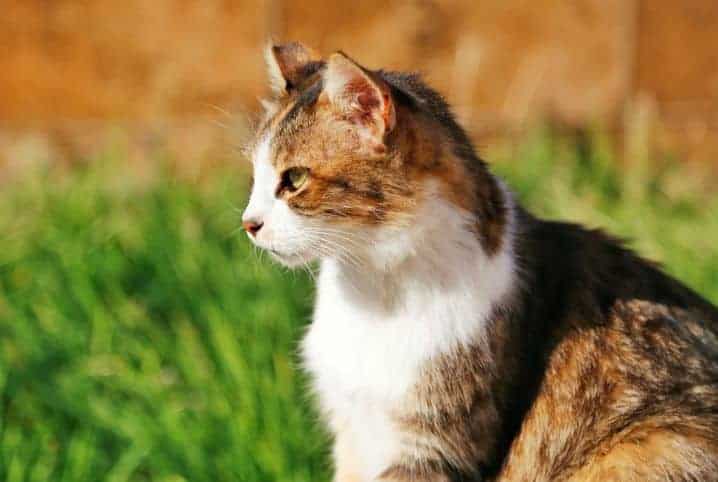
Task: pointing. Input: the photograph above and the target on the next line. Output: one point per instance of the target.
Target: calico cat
(456, 337)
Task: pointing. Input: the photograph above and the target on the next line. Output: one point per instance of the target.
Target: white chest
(368, 344)
(365, 351)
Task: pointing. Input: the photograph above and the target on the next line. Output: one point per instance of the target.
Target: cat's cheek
(287, 229)
(290, 243)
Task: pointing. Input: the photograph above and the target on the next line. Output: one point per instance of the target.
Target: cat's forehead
(274, 114)
(288, 122)
(285, 107)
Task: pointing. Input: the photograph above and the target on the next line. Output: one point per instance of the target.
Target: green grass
(142, 339)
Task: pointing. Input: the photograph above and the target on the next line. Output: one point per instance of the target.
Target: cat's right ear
(288, 65)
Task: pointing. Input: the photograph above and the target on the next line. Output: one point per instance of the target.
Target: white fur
(277, 82)
(266, 179)
(423, 291)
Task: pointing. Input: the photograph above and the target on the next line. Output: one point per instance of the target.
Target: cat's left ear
(364, 98)
(289, 64)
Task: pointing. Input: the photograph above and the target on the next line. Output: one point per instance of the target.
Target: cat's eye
(294, 178)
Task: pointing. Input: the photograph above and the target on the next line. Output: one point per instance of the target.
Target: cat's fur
(455, 335)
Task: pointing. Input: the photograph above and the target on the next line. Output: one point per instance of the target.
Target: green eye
(295, 177)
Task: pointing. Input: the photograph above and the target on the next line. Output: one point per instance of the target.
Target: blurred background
(75, 66)
(142, 339)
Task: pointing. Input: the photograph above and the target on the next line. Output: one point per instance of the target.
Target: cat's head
(345, 160)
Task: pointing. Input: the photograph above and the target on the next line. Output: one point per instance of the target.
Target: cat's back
(580, 274)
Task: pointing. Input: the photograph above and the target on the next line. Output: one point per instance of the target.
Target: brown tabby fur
(601, 367)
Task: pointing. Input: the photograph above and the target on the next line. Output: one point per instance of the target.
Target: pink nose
(252, 226)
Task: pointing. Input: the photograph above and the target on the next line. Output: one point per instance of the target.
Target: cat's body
(373, 335)
(455, 336)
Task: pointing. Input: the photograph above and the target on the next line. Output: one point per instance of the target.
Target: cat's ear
(289, 64)
(361, 96)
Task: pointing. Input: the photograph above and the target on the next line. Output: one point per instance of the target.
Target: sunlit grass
(142, 339)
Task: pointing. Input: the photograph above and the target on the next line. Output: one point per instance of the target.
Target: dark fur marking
(305, 99)
(375, 191)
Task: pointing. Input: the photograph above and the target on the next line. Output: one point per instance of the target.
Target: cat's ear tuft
(362, 96)
(289, 64)
(270, 107)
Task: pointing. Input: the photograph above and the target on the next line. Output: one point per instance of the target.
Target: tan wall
(499, 61)
(137, 59)
(496, 59)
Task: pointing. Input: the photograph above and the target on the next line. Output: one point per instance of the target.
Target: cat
(457, 337)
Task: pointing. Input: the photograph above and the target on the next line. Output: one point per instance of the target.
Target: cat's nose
(252, 226)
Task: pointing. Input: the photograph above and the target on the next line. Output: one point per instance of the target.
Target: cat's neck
(439, 256)
(420, 295)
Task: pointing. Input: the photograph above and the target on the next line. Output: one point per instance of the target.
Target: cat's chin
(291, 260)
